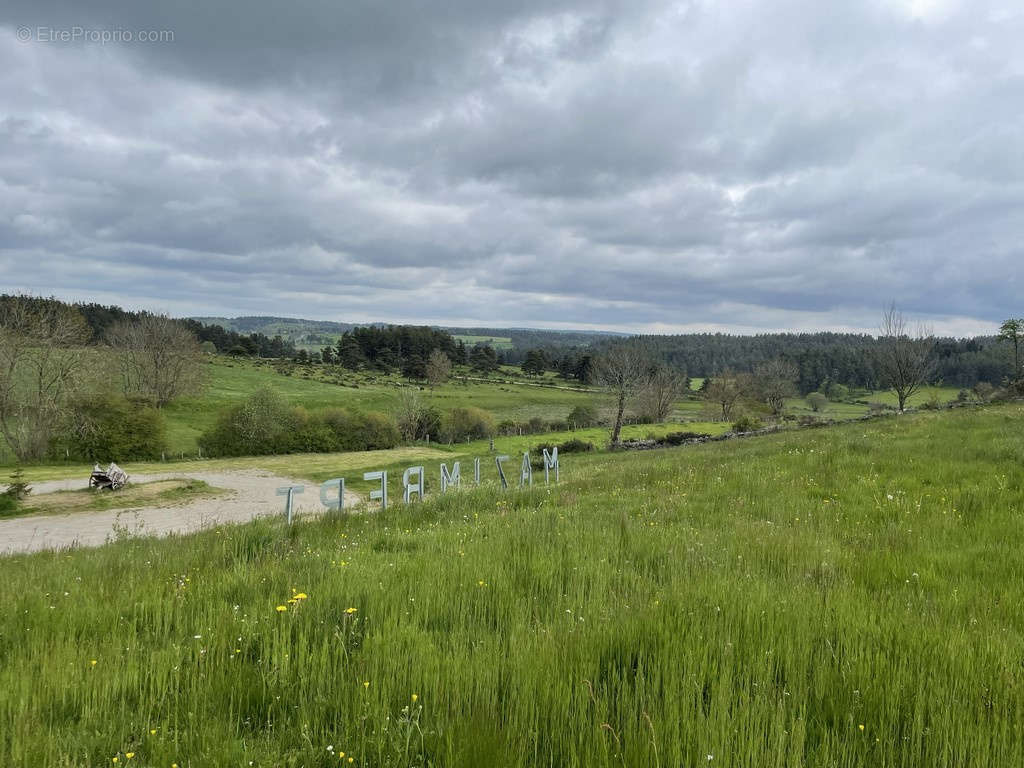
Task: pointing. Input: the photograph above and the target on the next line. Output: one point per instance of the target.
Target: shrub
(569, 446)
(933, 403)
(263, 423)
(838, 392)
(17, 490)
(678, 438)
(817, 401)
(467, 423)
(105, 428)
(583, 415)
(534, 426)
(746, 423)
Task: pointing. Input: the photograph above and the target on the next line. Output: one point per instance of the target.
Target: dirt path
(252, 493)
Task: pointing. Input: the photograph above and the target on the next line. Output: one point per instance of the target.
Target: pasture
(848, 596)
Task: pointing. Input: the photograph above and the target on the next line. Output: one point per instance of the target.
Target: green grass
(840, 597)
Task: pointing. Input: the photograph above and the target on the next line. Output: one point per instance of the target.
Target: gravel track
(252, 493)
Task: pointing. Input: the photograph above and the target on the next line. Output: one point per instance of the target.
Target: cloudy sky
(639, 165)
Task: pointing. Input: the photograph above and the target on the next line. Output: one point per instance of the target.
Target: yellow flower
(366, 683)
(115, 760)
(93, 662)
(129, 755)
(351, 760)
(351, 610)
(281, 608)
(152, 731)
(300, 596)
(415, 697)
(861, 726)
(292, 601)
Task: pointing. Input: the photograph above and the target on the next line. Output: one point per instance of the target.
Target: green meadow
(847, 596)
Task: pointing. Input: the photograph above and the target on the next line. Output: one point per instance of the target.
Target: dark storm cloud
(650, 165)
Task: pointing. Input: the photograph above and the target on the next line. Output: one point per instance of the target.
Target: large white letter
(450, 479)
(501, 472)
(382, 494)
(551, 462)
(290, 491)
(526, 471)
(410, 487)
(330, 500)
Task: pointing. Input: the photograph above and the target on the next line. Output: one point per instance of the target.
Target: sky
(634, 165)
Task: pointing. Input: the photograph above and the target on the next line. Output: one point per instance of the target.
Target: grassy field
(849, 596)
(228, 381)
(498, 342)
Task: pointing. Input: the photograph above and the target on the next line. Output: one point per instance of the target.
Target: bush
(467, 423)
(569, 446)
(817, 401)
(17, 489)
(265, 424)
(746, 423)
(583, 415)
(678, 438)
(933, 403)
(105, 428)
(837, 393)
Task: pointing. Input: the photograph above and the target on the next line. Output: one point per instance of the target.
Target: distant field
(498, 342)
(848, 596)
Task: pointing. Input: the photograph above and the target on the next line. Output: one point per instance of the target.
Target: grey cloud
(642, 165)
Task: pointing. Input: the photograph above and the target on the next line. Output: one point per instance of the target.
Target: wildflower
(861, 726)
(366, 683)
(152, 731)
(351, 610)
(281, 608)
(300, 596)
(415, 697)
(129, 755)
(351, 759)
(93, 662)
(115, 760)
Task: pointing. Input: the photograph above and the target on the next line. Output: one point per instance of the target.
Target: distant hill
(314, 334)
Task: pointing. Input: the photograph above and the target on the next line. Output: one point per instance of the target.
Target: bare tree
(160, 358)
(905, 359)
(724, 391)
(657, 398)
(439, 368)
(40, 362)
(624, 370)
(775, 380)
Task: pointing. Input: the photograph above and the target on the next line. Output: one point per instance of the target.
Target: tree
(40, 364)
(724, 391)
(536, 363)
(657, 398)
(623, 369)
(775, 380)
(350, 354)
(439, 368)
(904, 359)
(483, 358)
(1013, 331)
(160, 358)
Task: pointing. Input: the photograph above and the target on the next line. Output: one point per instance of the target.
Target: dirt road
(252, 493)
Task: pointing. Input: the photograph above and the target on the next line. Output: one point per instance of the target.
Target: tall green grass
(841, 597)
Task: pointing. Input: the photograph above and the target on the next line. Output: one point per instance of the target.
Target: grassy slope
(842, 597)
(228, 381)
